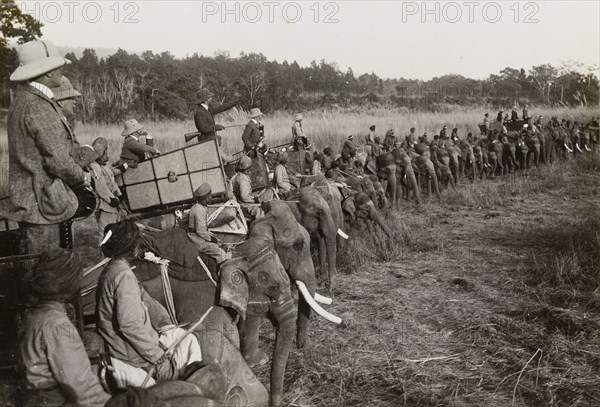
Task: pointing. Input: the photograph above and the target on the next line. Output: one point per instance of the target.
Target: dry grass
(476, 302)
(325, 128)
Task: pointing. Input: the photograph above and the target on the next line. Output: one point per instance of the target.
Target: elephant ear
(234, 292)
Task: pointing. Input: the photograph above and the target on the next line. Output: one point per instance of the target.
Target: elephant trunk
(376, 216)
(304, 308)
(329, 231)
(410, 175)
(285, 314)
(393, 185)
(434, 179)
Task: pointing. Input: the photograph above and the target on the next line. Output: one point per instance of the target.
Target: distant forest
(158, 86)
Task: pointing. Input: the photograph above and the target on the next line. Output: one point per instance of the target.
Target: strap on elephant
(166, 283)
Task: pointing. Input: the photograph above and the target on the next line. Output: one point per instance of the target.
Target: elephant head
(360, 206)
(257, 283)
(404, 168)
(386, 171)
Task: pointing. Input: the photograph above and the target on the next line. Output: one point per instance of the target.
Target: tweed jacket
(51, 353)
(205, 123)
(42, 167)
(251, 135)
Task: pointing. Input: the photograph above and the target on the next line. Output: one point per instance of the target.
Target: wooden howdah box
(171, 178)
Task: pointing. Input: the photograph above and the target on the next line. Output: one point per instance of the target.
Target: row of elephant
(258, 281)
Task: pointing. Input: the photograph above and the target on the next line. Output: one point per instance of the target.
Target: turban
(120, 238)
(244, 163)
(202, 191)
(57, 275)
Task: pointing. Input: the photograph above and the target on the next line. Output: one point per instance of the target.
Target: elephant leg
(249, 330)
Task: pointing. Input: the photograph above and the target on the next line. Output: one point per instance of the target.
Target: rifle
(190, 136)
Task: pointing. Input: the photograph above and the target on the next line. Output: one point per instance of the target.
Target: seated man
(198, 232)
(327, 158)
(281, 179)
(55, 366)
(349, 148)
(105, 186)
(242, 189)
(134, 152)
(131, 340)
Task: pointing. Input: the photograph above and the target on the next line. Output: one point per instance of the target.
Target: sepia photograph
(299, 203)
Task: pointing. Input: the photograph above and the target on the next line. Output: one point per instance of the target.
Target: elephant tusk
(577, 145)
(342, 234)
(322, 299)
(316, 307)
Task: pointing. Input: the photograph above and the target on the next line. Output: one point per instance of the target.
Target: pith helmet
(65, 90)
(37, 58)
(255, 112)
(130, 127)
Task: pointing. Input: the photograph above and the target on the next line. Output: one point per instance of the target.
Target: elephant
(534, 145)
(371, 186)
(522, 152)
(189, 291)
(313, 212)
(441, 158)
(495, 149)
(391, 168)
(257, 283)
(360, 207)
(253, 283)
(480, 153)
(509, 151)
(467, 159)
(425, 167)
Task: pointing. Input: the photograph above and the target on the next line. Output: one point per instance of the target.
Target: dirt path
(469, 313)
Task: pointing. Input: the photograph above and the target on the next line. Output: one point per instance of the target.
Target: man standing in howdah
(41, 149)
(203, 115)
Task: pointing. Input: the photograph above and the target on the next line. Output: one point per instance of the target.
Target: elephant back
(175, 246)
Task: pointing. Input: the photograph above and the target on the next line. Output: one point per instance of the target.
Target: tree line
(158, 85)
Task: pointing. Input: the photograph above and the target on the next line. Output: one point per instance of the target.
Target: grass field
(490, 297)
(325, 128)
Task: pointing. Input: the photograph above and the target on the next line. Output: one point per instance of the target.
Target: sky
(409, 39)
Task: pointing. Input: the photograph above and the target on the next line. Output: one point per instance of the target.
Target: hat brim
(252, 116)
(128, 132)
(41, 67)
(70, 94)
